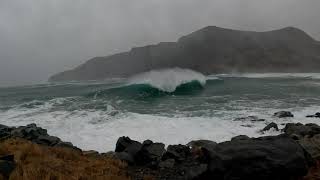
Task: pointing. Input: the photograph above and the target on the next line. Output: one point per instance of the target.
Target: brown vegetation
(36, 162)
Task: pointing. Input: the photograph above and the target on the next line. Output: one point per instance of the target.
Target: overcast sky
(41, 37)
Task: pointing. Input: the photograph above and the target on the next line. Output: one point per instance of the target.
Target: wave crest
(168, 80)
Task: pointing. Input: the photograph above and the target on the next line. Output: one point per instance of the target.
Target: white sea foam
(168, 79)
(99, 130)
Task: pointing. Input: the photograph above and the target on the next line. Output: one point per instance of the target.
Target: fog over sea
(171, 106)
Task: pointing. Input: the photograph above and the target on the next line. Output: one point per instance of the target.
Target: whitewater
(170, 105)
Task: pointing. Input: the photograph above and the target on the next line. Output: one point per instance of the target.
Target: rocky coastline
(29, 152)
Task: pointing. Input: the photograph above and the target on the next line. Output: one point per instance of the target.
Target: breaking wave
(168, 80)
(155, 83)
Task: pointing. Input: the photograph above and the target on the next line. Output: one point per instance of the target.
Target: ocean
(171, 106)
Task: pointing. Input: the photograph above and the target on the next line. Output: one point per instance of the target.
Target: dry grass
(35, 162)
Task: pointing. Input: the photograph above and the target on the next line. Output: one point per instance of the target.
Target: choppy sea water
(171, 106)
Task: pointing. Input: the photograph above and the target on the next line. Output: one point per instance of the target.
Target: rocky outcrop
(317, 115)
(277, 157)
(283, 114)
(34, 134)
(308, 136)
(210, 50)
(289, 156)
(270, 126)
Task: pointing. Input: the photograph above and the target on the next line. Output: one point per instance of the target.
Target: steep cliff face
(210, 50)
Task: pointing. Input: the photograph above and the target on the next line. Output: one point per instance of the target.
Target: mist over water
(171, 106)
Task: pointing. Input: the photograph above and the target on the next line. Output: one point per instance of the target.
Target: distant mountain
(210, 50)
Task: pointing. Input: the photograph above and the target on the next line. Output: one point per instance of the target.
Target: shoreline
(294, 154)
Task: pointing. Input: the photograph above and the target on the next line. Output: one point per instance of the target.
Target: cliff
(210, 50)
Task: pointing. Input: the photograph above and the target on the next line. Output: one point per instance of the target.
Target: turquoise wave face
(147, 91)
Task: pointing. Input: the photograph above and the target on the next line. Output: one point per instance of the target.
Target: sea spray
(168, 80)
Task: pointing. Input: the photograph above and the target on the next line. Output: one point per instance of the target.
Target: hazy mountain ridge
(210, 50)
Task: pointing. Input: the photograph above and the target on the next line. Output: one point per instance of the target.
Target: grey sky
(41, 37)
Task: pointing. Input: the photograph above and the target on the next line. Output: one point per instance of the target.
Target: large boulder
(301, 130)
(150, 153)
(311, 145)
(308, 136)
(5, 131)
(270, 126)
(177, 152)
(127, 148)
(198, 144)
(283, 114)
(274, 157)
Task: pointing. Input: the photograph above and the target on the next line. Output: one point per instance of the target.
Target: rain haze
(40, 38)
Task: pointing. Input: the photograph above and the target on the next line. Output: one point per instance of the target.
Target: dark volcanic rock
(210, 50)
(7, 165)
(33, 133)
(128, 149)
(67, 145)
(124, 156)
(47, 140)
(150, 153)
(265, 158)
(196, 172)
(271, 125)
(202, 144)
(177, 152)
(308, 136)
(283, 114)
(241, 137)
(311, 145)
(167, 164)
(7, 158)
(301, 130)
(249, 118)
(317, 115)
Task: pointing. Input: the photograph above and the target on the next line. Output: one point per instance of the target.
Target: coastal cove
(162, 105)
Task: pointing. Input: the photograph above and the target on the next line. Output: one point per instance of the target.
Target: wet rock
(150, 153)
(270, 126)
(311, 145)
(167, 164)
(301, 130)
(283, 114)
(5, 131)
(240, 138)
(177, 152)
(195, 172)
(29, 132)
(317, 115)
(124, 156)
(273, 157)
(202, 144)
(131, 147)
(7, 158)
(47, 140)
(67, 145)
(249, 118)
(6, 167)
